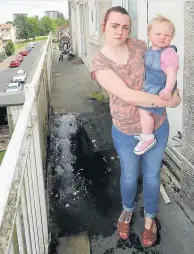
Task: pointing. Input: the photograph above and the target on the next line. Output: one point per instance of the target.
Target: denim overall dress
(155, 77)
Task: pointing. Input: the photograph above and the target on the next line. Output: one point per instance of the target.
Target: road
(28, 65)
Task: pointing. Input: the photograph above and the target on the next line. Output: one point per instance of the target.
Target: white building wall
(13, 34)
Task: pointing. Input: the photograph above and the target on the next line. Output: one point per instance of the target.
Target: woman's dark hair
(117, 9)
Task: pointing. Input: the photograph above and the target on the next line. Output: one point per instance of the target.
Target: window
(94, 18)
(131, 7)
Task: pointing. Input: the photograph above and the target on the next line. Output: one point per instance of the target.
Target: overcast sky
(32, 7)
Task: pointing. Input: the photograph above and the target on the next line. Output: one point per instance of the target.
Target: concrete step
(75, 244)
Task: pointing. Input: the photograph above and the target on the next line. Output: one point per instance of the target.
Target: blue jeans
(150, 164)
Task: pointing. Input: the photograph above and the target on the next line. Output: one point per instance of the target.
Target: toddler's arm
(170, 65)
(171, 79)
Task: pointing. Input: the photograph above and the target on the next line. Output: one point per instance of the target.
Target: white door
(147, 10)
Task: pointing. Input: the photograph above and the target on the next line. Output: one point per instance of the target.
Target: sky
(32, 7)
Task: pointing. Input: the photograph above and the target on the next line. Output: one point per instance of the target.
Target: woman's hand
(175, 99)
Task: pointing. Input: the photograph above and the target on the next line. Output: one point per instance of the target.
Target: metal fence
(23, 210)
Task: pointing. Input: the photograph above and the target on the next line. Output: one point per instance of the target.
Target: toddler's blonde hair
(161, 19)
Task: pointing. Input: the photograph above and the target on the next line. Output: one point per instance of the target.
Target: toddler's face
(160, 35)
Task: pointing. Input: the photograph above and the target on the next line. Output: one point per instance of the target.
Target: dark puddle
(86, 195)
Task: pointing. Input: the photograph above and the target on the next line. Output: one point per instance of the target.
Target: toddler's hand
(165, 94)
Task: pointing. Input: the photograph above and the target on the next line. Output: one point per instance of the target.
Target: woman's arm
(115, 85)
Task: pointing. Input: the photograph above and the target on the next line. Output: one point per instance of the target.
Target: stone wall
(188, 102)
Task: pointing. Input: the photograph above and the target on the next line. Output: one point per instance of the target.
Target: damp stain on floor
(84, 192)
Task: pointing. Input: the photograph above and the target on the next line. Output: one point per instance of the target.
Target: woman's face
(117, 28)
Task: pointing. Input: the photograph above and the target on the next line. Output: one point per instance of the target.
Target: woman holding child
(139, 95)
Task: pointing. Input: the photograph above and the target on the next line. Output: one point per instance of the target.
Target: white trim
(142, 14)
(93, 18)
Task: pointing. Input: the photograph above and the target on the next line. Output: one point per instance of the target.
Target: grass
(2, 153)
(24, 43)
(99, 96)
(20, 45)
(41, 38)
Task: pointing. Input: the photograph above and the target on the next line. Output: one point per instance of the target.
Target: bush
(3, 56)
(9, 48)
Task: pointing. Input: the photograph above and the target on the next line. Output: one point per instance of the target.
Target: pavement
(83, 177)
(63, 72)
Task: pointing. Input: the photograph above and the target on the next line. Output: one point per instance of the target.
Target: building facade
(86, 37)
(51, 14)
(7, 33)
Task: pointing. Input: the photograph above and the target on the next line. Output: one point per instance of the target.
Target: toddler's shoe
(144, 145)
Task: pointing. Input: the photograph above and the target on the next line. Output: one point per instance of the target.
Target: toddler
(161, 66)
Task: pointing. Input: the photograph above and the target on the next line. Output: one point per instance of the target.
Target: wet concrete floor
(84, 193)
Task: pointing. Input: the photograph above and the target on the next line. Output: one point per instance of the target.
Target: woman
(119, 68)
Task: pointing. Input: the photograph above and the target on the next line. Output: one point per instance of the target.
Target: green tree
(60, 16)
(60, 22)
(21, 23)
(9, 48)
(33, 29)
(9, 22)
(46, 25)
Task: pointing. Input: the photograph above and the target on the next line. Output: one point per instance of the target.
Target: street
(28, 65)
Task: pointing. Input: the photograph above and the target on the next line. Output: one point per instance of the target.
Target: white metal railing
(23, 212)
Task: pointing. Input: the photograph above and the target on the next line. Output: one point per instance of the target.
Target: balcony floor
(83, 176)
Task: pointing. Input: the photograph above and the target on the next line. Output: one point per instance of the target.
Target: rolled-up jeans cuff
(130, 210)
(149, 215)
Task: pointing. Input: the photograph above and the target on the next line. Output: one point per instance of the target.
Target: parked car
(28, 49)
(14, 87)
(20, 76)
(20, 58)
(24, 52)
(31, 44)
(14, 63)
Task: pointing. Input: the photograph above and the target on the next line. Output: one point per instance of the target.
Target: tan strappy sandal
(150, 236)
(123, 224)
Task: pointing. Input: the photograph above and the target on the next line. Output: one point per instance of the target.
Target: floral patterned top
(124, 115)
